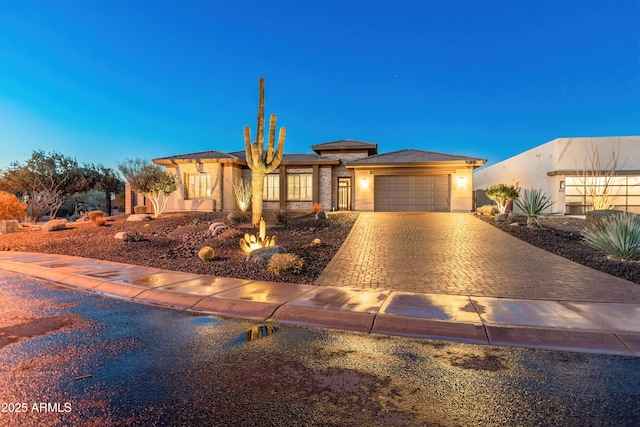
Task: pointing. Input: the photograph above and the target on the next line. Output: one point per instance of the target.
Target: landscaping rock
(217, 228)
(120, 235)
(55, 225)
(321, 215)
(262, 256)
(502, 217)
(9, 226)
(139, 217)
(487, 210)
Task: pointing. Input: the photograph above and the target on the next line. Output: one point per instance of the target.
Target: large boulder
(9, 226)
(321, 215)
(262, 256)
(120, 235)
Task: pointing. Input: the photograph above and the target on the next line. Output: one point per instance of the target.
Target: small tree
(46, 180)
(503, 194)
(242, 191)
(596, 184)
(106, 180)
(151, 180)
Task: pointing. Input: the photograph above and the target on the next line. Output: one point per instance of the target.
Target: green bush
(285, 263)
(617, 235)
(239, 217)
(282, 216)
(94, 215)
(532, 204)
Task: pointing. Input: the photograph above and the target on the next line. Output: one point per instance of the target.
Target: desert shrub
(617, 235)
(101, 221)
(94, 215)
(532, 204)
(285, 263)
(316, 207)
(593, 219)
(206, 254)
(282, 216)
(55, 225)
(242, 191)
(133, 237)
(11, 208)
(140, 210)
(239, 217)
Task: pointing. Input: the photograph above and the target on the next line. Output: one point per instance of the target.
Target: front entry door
(344, 194)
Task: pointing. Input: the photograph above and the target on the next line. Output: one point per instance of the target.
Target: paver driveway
(455, 253)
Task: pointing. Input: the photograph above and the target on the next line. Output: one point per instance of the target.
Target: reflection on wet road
(116, 363)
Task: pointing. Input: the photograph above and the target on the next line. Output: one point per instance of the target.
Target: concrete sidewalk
(591, 327)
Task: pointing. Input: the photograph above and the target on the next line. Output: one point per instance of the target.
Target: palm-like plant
(617, 235)
(532, 204)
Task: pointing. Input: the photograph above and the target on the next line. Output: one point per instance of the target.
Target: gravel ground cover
(173, 240)
(564, 236)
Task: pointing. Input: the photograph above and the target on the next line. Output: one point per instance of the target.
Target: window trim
(199, 186)
(275, 178)
(292, 188)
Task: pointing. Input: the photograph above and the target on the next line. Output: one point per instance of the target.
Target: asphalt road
(70, 358)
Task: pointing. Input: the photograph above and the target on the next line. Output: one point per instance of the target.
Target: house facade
(558, 169)
(339, 175)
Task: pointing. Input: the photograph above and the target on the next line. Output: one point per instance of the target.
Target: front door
(344, 194)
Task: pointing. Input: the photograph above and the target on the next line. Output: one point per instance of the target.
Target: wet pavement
(579, 325)
(109, 362)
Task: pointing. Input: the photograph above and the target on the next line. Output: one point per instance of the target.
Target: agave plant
(617, 235)
(532, 204)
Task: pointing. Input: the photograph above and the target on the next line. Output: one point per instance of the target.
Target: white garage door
(411, 193)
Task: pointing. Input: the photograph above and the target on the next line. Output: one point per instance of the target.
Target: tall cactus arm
(260, 129)
(271, 140)
(277, 157)
(247, 146)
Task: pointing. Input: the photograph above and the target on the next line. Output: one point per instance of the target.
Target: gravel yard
(172, 242)
(563, 235)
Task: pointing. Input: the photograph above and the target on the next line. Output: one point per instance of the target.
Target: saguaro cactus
(262, 163)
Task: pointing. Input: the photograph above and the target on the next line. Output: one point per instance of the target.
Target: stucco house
(339, 175)
(557, 166)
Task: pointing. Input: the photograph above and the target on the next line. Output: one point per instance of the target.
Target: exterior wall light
(462, 182)
(364, 182)
(562, 185)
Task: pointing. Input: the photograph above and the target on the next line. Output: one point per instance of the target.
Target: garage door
(411, 193)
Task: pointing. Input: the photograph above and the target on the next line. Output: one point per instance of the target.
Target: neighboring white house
(556, 167)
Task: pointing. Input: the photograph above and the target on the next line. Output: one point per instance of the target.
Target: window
(198, 186)
(299, 187)
(271, 187)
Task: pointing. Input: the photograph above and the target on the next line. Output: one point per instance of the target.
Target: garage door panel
(411, 193)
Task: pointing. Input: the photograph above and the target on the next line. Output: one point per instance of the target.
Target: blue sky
(105, 80)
